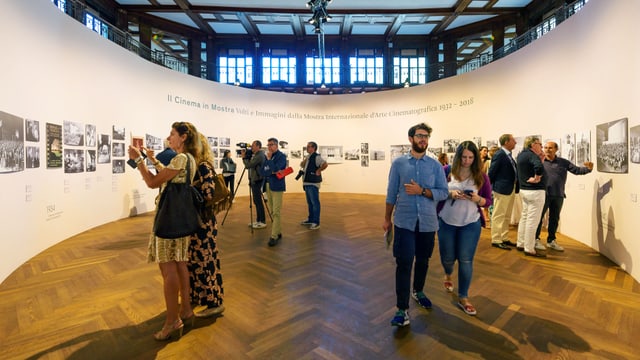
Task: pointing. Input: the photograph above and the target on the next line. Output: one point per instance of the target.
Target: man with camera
(312, 166)
(254, 160)
(276, 162)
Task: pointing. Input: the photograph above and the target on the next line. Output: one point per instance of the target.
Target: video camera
(246, 147)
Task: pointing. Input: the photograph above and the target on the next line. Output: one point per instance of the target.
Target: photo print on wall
(583, 147)
(11, 143)
(634, 144)
(118, 133)
(54, 145)
(91, 160)
(90, 134)
(568, 147)
(612, 146)
(377, 155)
(73, 161)
(104, 149)
(352, 154)
(32, 160)
(331, 153)
(73, 134)
(118, 166)
(32, 130)
(398, 150)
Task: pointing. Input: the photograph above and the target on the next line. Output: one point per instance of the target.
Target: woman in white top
(460, 219)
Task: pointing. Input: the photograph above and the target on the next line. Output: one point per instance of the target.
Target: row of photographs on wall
(78, 147)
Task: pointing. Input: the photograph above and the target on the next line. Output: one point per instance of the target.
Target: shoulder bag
(178, 209)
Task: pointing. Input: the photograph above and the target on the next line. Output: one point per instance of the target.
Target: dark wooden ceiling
(470, 22)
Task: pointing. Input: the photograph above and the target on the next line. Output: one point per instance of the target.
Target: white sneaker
(554, 246)
(259, 225)
(314, 226)
(540, 245)
(251, 224)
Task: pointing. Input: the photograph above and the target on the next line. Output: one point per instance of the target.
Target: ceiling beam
(195, 17)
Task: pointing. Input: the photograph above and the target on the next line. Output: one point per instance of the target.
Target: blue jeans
(408, 245)
(459, 243)
(313, 202)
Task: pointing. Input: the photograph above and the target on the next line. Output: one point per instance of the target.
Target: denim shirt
(428, 173)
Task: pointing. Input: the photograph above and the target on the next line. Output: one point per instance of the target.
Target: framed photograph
(73, 133)
(32, 130)
(54, 145)
(73, 161)
(612, 146)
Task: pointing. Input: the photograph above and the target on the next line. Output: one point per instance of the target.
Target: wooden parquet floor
(324, 294)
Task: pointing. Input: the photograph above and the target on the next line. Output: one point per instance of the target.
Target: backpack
(221, 200)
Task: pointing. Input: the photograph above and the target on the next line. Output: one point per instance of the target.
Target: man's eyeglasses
(422, 136)
(270, 144)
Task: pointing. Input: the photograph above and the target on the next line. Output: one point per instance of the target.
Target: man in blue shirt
(416, 184)
(556, 169)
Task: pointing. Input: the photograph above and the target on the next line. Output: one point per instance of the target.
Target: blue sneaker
(422, 299)
(401, 318)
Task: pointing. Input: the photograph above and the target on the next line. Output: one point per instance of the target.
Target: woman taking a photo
(460, 219)
(172, 255)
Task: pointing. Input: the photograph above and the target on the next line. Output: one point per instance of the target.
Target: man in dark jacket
(504, 183)
(254, 164)
(556, 169)
(312, 166)
(532, 189)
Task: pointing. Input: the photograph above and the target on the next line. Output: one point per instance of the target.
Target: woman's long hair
(192, 142)
(476, 166)
(205, 154)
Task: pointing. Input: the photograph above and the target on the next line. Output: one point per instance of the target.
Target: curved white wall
(581, 74)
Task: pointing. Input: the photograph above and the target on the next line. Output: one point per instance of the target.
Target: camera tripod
(233, 196)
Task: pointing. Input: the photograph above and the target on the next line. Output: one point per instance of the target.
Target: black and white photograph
(11, 143)
(583, 147)
(90, 135)
(364, 148)
(477, 140)
(377, 155)
(73, 161)
(450, 145)
(54, 145)
(90, 159)
(32, 130)
(568, 147)
(364, 161)
(104, 149)
(73, 133)
(32, 159)
(118, 167)
(352, 154)
(154, 142)
(224, 141)
(634, 144)
(333, 154)
(491, 143)
(434, 152)
(214, 152)
(398, 150)
(297, 154)
(213, 141)
(612, 147)
(118, 149)
(118, 133)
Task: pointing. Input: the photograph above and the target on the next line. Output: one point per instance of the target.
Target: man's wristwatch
(424, 192)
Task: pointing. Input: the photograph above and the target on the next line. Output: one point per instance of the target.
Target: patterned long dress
(205, 277)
